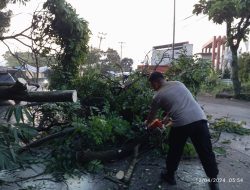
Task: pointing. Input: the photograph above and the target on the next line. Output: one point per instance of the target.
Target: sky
(139, 24)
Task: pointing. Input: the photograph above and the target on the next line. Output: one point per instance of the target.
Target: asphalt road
(233, 109)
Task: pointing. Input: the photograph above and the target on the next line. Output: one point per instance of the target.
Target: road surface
(233, 109)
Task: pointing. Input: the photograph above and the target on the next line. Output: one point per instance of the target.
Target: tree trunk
(114, 154)
(235, 71)
(40, 96)
(19, 92)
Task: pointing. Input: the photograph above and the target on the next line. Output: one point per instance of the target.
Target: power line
(195, 22)
(188, 17)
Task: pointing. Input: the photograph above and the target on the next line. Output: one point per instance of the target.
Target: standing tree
(29, 59)
(111, 62)
(236, 15)
(108, 61)
(126, 64)
(59, 25)
(93, 57)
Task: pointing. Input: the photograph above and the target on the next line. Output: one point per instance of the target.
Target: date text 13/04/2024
(219, 180)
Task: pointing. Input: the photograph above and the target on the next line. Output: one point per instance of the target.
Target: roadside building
(29, 73)
(162, 56)
(215, 50)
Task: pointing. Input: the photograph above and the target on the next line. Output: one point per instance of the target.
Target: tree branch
(242, 30)
(21, 62)
(46, 139)
(22, 42)
(16, 35)
(164, 55)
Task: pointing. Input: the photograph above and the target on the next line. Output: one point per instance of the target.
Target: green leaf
(18, 113)
(12, 153)
(15, 133)
(9, 113)
(28, 114)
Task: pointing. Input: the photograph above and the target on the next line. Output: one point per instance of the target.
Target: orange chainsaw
(156, 124)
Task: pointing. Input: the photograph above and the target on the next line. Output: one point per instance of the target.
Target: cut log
(18, 92)
(40, 96)
(120, 174)
(108, 155)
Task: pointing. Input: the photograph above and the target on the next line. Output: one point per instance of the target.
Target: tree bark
(108, 155)
(19, 92)
(235, 71)
(40, 96)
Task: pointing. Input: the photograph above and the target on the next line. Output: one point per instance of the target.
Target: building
(8, 75)
(216, 51)
(162, 55)
(151, 68)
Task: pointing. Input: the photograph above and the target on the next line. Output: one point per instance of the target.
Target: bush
(192, 71)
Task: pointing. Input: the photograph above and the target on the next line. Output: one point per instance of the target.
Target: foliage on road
(225, 125)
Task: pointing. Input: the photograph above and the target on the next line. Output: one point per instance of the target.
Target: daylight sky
(140, 24)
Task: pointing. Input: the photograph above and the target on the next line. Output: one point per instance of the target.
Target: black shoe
(170, 179)
(213, 185)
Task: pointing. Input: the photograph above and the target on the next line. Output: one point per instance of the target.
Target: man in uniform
(187, 120)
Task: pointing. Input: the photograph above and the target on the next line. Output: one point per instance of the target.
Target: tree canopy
(108, 60)
(29, 58)
(59, 24)
(126, 64)
(5, 15)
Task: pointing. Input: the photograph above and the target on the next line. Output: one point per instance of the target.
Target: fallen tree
(113, 154)
(87, 155)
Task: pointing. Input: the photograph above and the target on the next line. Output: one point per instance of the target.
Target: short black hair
(155, 77)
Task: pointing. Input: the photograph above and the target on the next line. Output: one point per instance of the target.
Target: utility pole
(121, 47)
(173, 34)
(101, 36)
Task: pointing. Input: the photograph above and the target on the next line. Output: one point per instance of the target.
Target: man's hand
(145, 124)
(169, 124)
(167, 121)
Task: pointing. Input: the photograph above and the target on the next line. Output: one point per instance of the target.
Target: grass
(220, 88)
